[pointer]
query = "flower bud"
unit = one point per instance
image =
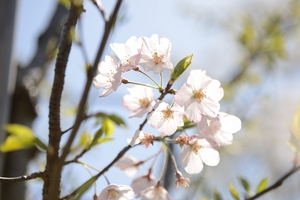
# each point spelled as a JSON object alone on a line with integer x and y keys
{"x": 181, "y": 66}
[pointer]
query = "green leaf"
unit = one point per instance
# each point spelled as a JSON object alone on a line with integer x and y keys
{"x": 40, "y": 144}
{"x": 217, "y": 195}
{"x": 117, "y": 120}
{"x": 247, "y": 36}
{"x": 65, "y": 3}
{"x": 181, "y": 66}
{"x": 262, "y": 185}
{"x": 234, "y": 192}
{"x": 84, "y": 187}
{"x": 108, "y": 126}
{"x": 104, "y": 140}
{"x": 294, "y": 140}
{"x": 296, "y": 124}
{"x": 98, "y": 135}
{"x": 85, "y": 139}
{"x": 20, "y": 137}
{"x": 245, "y": 184}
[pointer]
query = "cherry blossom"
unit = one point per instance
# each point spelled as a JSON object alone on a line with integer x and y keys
{"x": 218, "y": 131}
{"x": 109, "y": 78}
{"x": 128, "y": 164}
{"x": 116, "y": 192}
{"x": 128, "y": 53}
{"x": 155, "y": 54}
{"x": 142, "y": 182}
{"x": 181, "y": 181}
{"x": 166, "y": 118}
{"x": 140, "y": 100}
{"x": 141, "y": 137}
{"x": 197, "y": 152}
{"x": 154, "y": 193}
{"x": 200, "y": 95}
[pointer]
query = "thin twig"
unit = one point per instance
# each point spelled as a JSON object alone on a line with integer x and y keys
{"x": 91, "y": 72}
{"x": 276, "y": 184}
{"x": 21, "y": 178}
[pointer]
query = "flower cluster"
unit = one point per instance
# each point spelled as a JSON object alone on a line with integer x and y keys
{"x": 196, "y": 102}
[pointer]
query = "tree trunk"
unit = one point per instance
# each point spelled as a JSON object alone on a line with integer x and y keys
{"x": 22, "y": 104}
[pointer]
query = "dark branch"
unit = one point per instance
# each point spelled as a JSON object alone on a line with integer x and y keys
{"x": 91, "y": 72}
{"x": 21, "y": 178}
{"x": 51, "y": 188}
{"x": 276, "y": 184}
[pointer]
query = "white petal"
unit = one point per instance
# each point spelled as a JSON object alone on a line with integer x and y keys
{"x": 214, "y": 90}
{"x": 192, "y": 111}
{"x": 183, "y": 95}
{"x": 141, "y": 183}
{"x": 230, "y": 123}
{"x": 168, "y": 128}
{"x": 209, "y": 156}
{"x": 191, "y": 162}
{"x": 122, "y": 192}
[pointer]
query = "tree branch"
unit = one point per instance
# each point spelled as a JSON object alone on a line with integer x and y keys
{"x": 51, "y": 189}
{"x": 91, "y": 72}
{"x": 276, "y": 184}
{"x": 21, "y": 178}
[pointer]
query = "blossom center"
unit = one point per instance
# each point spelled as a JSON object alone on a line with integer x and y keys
{"x": 144, "y": 103}
{"x": 199, "y": 95}
{"x": 113, "y": 194}
{"x": 168, "y": 113}
{"x": 195, "y": 147}
{"x": 213, "y": 126}
{"x": 157, "y": 59}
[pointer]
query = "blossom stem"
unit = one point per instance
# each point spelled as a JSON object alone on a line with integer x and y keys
{"x": 142, "y": 84}
{"x": 108, "y": 183}
{"x": 153, "y": 156}
{"x": 161, "y": 78}
{"x": 164, "y": 165}
{"x": 158, "y": 86}
{"x": 173, "y": 159}
{"x": 86, "y": 166}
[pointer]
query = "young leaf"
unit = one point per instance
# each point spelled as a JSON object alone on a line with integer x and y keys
{"x": 85, "y": 139}
{"x": 296, "y": 125}
{"x": 20, "y": 137}
{"x": 217, "y": 195}
{"x": 262, "y": 185}
{"x": 234, "y": 192}
{"x": 245, "y": 184}
{"x": 98, "y": 135}
{"x": 104, "y": 140}
{"x": 294, "y": 140}
{"x": 40, "y": 144}
{"x": 84, "y": 187}
{"x": 181, "y": 66}
{"x": 117, "y": 120}
{"x": 108, "y": 126}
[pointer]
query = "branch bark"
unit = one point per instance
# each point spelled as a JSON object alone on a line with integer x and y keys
{"x": 21, "y": 178}
{"x": 276, "y": 184}
{"x": 51, "y": 189}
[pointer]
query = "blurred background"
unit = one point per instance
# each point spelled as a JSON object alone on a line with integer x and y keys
{"x": 252, "y": 47}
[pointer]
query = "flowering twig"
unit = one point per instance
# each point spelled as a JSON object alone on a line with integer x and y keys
{"x": 276, "y": 184}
